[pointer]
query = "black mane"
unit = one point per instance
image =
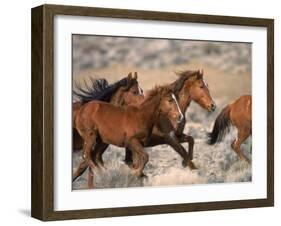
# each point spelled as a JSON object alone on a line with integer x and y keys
{"x": 100, "y": 90}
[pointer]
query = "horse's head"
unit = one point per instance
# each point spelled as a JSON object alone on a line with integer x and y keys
{"x": 169, "y": 105}
{"x": 197, "y": 89}
{"x": 132, "y": 93}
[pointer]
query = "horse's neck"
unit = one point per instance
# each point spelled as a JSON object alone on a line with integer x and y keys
{"x": 184, "y": 99}
{"x": 149, "y": 108}
{"x": 117, "y": 98}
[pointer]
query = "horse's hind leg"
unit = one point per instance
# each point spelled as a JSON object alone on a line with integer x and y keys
{"x": 90, "y": 178}
{"x": 77, "y": 141}
{"x": 243, "y": 134}
{"x": 89, "y": 142}
{"x": 95, "y": 153}
{"x": 83, "y": 165}
{"x": 80, "y": 170}
{"x": 98, "y": 152}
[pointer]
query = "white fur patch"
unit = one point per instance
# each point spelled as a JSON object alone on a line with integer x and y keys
{"x": 205, "y": 83}
{"x": 181, "y": 114}
{"x": 140, "y": 90}
{"x": 172, "y": 134}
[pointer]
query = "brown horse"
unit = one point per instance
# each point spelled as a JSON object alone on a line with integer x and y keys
{"x": 238, "y": 114}
{"x": 190, "y": 86}
{"x": 123, "y": 92}
{"x": 100, "y": 124}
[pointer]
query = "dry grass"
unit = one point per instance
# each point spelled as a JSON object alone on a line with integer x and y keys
{"x": 226, "y": 70}
{"x": 216, "y": 164}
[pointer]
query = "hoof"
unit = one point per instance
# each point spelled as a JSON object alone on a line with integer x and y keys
{"x": 190, "y": 164}
{"x": 128, "y": 163}
{"x": 139, "y": 174}
{"x": 131, "y": 166}
{"x": 247, "y": 160}
{"x": 127, "y": 160}
{"x": 101, "y": 167}
{"x": 184, "y": 164}
{"x": 142, "y": 175}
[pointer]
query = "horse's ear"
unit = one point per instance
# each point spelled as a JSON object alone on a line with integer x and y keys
{"x": 178, "y": 73}
{"x": 130, "y": 75}
{"x": 202, "y": 72}
{"x": 136, "y": 75}
{"x": 199, "y": 74}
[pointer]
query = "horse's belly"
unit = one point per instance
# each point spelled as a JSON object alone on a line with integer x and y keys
{"x": 113, "y": 137}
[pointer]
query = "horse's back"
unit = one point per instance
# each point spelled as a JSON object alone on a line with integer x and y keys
{"x": 241, "y": 111}
{"x": 112, "y": 122}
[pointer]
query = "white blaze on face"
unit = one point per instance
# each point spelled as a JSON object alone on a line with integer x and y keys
{"x": 140, "y": 91}
{"x": 181, "y": 114}
{"x": 205, "y": 83}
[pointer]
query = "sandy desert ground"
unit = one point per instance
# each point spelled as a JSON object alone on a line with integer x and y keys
{"x": 227, "y": 70}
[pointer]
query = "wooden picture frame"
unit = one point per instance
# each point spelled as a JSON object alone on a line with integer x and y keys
{"x": 42, "y": 203}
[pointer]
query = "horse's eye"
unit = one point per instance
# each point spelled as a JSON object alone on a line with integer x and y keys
{"x": 171, "y": 100}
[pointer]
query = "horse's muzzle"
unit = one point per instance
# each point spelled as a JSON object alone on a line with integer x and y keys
{"x": 180, "y": 119}
{"x": 213, "y": 107}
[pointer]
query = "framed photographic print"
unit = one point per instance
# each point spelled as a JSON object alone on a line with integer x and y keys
{"x": 141, "y": 112}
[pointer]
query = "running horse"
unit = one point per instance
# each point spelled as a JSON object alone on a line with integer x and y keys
{"x": 126, "y": 91}
{"x": 101, "y": 124}
{"x": 239, "y": 115}
{"x": 190, "y": 86}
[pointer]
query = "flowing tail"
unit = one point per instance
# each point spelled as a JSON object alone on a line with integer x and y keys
{"x": 221, "y": 126}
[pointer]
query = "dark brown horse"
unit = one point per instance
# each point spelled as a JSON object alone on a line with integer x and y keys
{"x": 190, "y": 86}
{"x": 123, "y": 92}
{"x": 238, "y": 114}
{"x": 100, "y": 124}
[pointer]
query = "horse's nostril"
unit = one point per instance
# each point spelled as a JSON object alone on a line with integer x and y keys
{"x": 213, "y": 107}
{"x": 180, "y": 118}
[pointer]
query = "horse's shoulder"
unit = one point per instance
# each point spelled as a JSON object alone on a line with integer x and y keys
{"x": 132, "y": 108}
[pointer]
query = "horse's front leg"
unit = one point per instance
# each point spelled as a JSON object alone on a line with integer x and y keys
{"x": 128, "y": 157}
{"x": 153, "y": 141}
{"x": 190, "y": 140}
{"x": 173, "y": 141}
{"x": 140, "y": 157}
